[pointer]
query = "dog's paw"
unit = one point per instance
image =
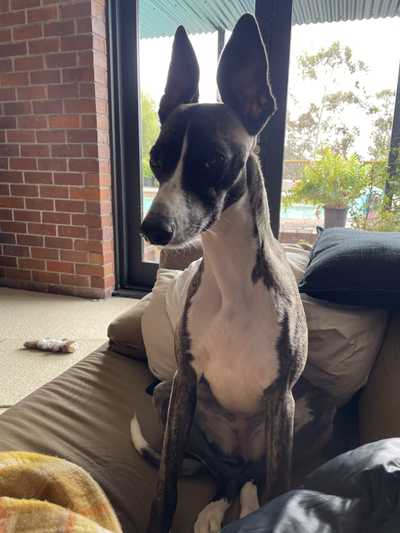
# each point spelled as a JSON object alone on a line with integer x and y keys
{"x": 211, "y": 517}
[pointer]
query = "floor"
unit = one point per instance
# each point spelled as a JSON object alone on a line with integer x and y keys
{"x": 26, "y": 315}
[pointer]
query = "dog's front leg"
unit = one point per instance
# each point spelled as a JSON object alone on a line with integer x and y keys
{"x": 279, "y": 425}
{"x": 179, "y": 420}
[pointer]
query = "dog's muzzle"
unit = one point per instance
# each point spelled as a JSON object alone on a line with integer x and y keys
{"x": 157, "y": 230}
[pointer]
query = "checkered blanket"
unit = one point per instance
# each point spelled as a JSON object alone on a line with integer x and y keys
{"x": 40, "y": 493}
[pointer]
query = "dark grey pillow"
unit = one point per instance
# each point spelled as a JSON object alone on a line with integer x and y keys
{"x": 355, "y": 268}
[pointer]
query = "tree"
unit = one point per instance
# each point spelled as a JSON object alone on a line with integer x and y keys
{"x": 149, "y": 134}
{"x": 321, "y": 124}
{"x": 381, "y": 108}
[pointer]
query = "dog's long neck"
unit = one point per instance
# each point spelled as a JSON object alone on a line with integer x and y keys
{"x": 231, "y": 245}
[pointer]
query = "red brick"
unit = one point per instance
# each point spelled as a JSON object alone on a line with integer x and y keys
{"x": 45, "y": 76}
{"x": 87, "y": 90}
{"x": 66, "y": 150}
{"x": 67, "y": 178}
{"x": 7, "y": 238}
{"x": 84, "y": 105}
{"x": 24, "y": 136}
{"x": 80, "y": 193}
{"x": 64, "y": 122}
{"x": 60, "y": 266}
{"x": 73, "y": 256}
{"x": 82, "y": 136}
{"x": 4, "y": 189}
{"x": 66, "y": 59}
{"x": 32, "y": 122}
{"x": 51, "y": 136}
{"x": 90, "y": 270}
{"x": 30, "y": 240}
{"x": 31, "y": 264}
{"x": 93, "y": 151}
{"x": 40, "y": 203}
{"x": 23, "y": 163}
{"x": 57, "y": 242}
{"x": 83, "y": 165}
{"x": 88, "y": 246}
{"x": 17, "y": 108}
{"x": 17, "y": 251}
{"x": 8, "y": 123}
{"x": 56, "y": 218}
{"x": 10, "y": 176}
{"x": 70, "y": 90}
{"x": 5, "y": 36}
{"x": 34, "y": 150}
{"x": 96, "y": 259}
{"x": 45, "y": 253}
{"x": 70, "y": 206}
{"x": 24, "y": 4}
{"x": 31, "y": 93}
{"x": 42, "y": 14}
{"x": 78, "y": 74}
{"x": 86, "y": 220}
{"x": 6, "y": 65}
{"x": 48, "y": 107}
{"x": 52, "y": 164}
{"x": 24, "y": 190}
{"x": 8, "y": 261}
{"x": 54, "y": 191}
{"x": 78, "y": 281}
{"x": 29, "y": 63}
{"x": 10, "y": 202}
{"x": 18, "y": 274}
{"x": 46, "y": 277}
{"x": 12, "y": 49}
{"x": 28, "y": 31}
{"x": 12, "y": 19}
{"x": 5, "y": 214}
{"x": 84, "y": 25}
{"x": 9, "y": 149}
{"x": 43, "y": 46}
{"x": 83, "y": 9}
{"x": 26, "y": 216}
{"x": 7, "y": 95}
{"x": 72, "y": 231}
{"x": 103, "y": 283}
{"x": 38, "y": 177}
{"x": 59, "y": 28}
{"x": 42, "y": 229}
{"x": 14, "y": 79}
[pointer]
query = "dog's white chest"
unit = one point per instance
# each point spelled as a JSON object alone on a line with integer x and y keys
{"x": 234, "y": 345}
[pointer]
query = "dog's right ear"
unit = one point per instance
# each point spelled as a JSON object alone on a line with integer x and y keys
{"x": 183, "y": 76}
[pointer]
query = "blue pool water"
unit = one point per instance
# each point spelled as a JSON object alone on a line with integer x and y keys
{"x": 301, "y": 212}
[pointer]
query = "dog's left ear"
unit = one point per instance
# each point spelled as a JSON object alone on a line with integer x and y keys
{"x": 243, "y": 78}
{"x": 183, "y": 76}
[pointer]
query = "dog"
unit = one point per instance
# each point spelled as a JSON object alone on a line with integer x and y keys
{"x": 241, "y": 345}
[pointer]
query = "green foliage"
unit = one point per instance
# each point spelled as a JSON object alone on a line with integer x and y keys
{"x": 331, "y": 180}
{"x": 149, "y": 134}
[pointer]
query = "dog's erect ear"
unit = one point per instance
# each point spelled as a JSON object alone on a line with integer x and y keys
{"x": 243, "y": 78}
{"x": 183, "y": 76}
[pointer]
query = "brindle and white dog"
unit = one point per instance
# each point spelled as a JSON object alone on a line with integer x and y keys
{"x": 242, "y": 341}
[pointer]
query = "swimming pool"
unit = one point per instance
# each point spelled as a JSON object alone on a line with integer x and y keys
{"x": 294, "y": 212}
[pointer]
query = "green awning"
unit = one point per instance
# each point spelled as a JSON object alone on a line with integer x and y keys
{"x": 159, "y": 18}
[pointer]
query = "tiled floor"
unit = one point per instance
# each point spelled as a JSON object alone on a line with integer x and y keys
{"x": 26, "y": 315}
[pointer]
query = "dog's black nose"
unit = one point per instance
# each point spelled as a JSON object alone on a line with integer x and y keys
{"x": 157, "y": 231}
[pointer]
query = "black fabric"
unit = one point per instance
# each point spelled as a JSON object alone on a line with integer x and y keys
{"x": 357, "y": 492}
{"x": 355, "y": 268}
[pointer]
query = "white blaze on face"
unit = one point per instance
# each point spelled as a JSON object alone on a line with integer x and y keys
{"x": 170, "y": 200}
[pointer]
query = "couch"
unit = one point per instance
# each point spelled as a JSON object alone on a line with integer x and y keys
{"x": 84, "y": 416}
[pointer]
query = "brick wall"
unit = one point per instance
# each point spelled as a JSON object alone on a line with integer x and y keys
{"x": 55, "y": 185}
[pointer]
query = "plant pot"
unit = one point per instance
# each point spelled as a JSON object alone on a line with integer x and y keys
{"x": 335, "y": 217}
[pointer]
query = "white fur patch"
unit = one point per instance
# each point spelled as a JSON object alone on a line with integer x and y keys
{"x": 302, "y": 415}
{"x": 248, "y": 499}
{"x": 138, "y": 440}
{"x": 211, "y": 517}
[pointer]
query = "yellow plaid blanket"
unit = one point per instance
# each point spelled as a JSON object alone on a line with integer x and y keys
{"x": 42, "y": 494}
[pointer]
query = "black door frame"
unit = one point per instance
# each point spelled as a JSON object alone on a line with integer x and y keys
{"x": 133, "y": 275}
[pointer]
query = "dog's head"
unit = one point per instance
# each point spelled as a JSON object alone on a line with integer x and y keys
{"x": 202, "y": 148}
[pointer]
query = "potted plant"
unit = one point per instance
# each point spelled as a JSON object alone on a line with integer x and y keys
{"x": 333, "y": 182}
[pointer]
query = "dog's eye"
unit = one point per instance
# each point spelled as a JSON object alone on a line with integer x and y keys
{"x": 217, "y": 161}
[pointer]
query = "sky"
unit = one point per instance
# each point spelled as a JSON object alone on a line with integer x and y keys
{"x": 374, "y": 41}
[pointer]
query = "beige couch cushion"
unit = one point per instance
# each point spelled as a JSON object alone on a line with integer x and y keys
{"x": 379, "y": 406}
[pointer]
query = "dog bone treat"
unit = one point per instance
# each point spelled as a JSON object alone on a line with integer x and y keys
{"x": 52, "y": 345}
